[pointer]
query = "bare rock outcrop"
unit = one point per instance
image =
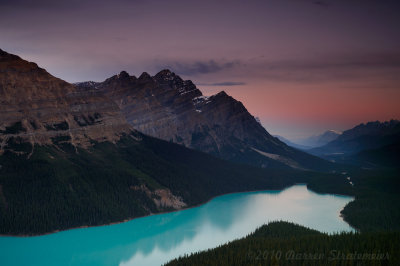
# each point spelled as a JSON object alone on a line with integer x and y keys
{"x": 37, "y": 108}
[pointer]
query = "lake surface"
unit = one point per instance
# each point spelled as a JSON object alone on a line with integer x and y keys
{"x": 156, "y": 239}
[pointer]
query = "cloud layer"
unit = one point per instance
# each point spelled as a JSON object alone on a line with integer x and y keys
{"x": 200, "y": 67}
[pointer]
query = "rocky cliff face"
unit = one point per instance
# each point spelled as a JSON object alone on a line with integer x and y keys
{"x": 37, "y": 108}
{"x": 167, "y": 107}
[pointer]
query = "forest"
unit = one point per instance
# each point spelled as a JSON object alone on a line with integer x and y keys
{"x": 61, "y": 186}
{"x": 284, "y": 243}
{"x": 375, "y": 214}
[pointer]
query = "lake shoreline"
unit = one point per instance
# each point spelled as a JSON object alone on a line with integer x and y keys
{"x": 164, "y": 212}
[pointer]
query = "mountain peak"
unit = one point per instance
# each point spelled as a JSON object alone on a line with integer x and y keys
{"x": 13, "y": 62}
{"x": 165, "y": 72}
{"x": 331, "y": 132}
{"x": 123, "y": 74}
{"x": 222, "y": 94}
{"x": 334, "y": 131}
{"x": 168, "y": 76}
{"x": 144, "y": 76}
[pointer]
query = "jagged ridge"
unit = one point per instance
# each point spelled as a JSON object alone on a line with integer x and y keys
{"x": 167, "y": 107}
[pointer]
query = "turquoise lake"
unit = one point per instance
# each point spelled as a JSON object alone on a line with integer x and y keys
{"x": 154, "y": 240}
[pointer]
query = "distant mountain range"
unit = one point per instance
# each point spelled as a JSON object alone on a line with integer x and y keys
{"x": 362, "y": 137}
{"x": 370, "y": 145}
{"x": 373, "y": 142}
{"x": 292, "y": 144}
{"x": 315, "y": 140}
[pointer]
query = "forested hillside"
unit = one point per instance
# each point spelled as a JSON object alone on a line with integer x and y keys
{"x": 377, "y": 200}
{"x": 61, "y": 186}
{"x": 283, "y": 243}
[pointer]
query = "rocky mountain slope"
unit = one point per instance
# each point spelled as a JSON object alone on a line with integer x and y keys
{"x": 170, "y": 108}
{"x": 37, "y": 108}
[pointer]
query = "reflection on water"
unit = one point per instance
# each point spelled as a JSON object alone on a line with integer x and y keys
{"x": 157, "y": 239}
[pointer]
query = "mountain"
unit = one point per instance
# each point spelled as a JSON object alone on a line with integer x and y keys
{"x": 319, "y": 140}
{"x": 60, "y": 187}
{"x": 37, "y": 109}
{"x": 167, "y": 107}
{"x": 371, "y": 135}
{"x": 69, "y": 158}
{"x": 292, "y": 144}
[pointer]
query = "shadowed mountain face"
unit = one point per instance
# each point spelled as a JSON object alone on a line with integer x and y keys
{"x": 37, "y": 108}
{"x": 166, "y": 107}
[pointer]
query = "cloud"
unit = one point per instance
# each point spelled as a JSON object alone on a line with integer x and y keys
{"x": 225, "y": 83}
{"x": 332, "y": 67}
{"x": 199, "y": 67}
{"x": 365, "y": 67}
{"x": 354, "y": 61}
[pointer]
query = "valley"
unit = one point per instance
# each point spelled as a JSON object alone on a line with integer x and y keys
{"x": 99, "y": 153}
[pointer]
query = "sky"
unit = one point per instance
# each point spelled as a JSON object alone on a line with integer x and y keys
{"x": 301, "y": 66}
